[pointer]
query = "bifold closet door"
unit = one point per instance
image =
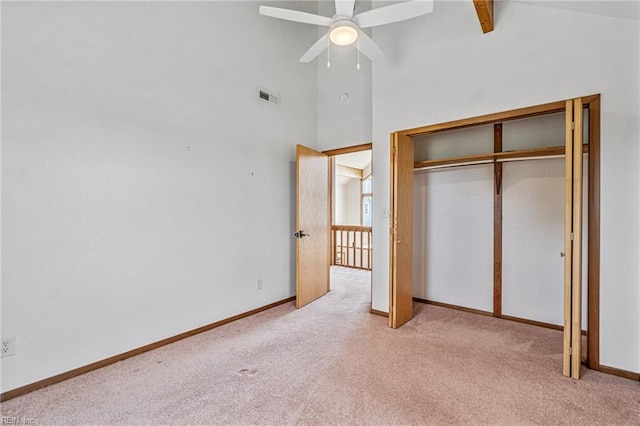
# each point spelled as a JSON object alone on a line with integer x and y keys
{"x": 533, "y": 240}
{"x": 401, "y": 232}
{"x": 572, "y": 341}
{"x": 453, "y": 239}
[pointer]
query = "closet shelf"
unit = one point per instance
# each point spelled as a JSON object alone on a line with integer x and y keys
{"x": 520, "y": 154}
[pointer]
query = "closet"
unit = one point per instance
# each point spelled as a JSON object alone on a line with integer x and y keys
{"x": 496, "y": 209}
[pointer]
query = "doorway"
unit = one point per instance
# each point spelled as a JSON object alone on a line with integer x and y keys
{"x": 351, "y": 177}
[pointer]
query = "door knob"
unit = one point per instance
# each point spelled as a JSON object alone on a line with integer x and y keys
{"x": 301, "y": 234}
{"x": 561, "y": 254}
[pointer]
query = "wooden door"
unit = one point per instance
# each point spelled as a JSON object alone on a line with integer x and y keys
{"x": 401, "y": 231}
{"x": 572, "y": 344}
{"x": 312, "y": 225}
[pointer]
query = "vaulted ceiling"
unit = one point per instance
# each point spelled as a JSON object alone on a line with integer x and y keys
{"x": 484, "y": 9}
{"x": 614, "y": 9}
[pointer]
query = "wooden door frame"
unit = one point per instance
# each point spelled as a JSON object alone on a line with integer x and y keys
{"x": 332, "y": 153}
{"x": 592, "y": 102}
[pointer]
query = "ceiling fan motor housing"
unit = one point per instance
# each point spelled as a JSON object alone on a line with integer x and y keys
{"x": 343, "y": 32}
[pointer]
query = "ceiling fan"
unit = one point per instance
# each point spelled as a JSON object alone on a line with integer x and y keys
{"x": 346, "y": 29}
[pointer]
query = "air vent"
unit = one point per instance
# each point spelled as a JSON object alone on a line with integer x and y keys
{"x": 272, "y": 98}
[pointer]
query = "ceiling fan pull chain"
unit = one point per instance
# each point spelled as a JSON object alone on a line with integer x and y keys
{"x": 358, "y": 66}
{"x": 328, "y": 53}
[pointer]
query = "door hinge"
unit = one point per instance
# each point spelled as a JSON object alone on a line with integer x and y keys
{"x": 572, "y": 236}
{"x": 573, "y": 125}
{"x": 571, "y": 351}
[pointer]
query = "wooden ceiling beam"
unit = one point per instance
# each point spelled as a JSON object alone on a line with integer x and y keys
{"x": 350, "y": 172}
{"x": 484, "y": 9}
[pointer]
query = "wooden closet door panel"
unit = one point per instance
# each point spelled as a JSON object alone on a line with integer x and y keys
{"x": 401, "y": 235}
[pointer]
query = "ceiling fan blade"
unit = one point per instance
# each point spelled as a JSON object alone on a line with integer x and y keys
{"x": 316, "y": 49}
{"x": 295, "y": 16}
{"x": 394, "y": 13}
{"x": 368, "y": 47}
{"x": 345, "y": 8}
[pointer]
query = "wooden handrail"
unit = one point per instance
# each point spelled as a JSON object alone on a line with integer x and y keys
{"x": 351, "y": 246}
{"x": 350, "y": 228}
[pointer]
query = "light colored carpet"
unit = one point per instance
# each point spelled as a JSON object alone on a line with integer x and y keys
{"x": 333, "y": 362}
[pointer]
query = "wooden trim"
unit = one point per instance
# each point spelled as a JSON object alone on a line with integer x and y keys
{"x": 347, "y": 171}
{"x": 470, "y": 159}
{"x": 489, "y": 314}
{"x": 349, "y": 149}
{"x": 593, "y": 269}
{"x": 619, "y": 372}
{"x": 533, "y": 322}
{"x": 547, "y": 152}
{"x": 487, "y": 119}
{"x": 497, "y": 223}
{"x": 587, "y": 101}
{"x": 484, "y": 9}
{"x": 552, "y": 152}
{"x": 454, "y": 307}
{"x": 379, "y": 313}
{"x": 129, "y": 354}
{"x": 351, "y": 228}
{"x": 534, "y": 152}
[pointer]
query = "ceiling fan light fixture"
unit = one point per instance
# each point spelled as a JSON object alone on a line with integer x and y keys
{"x": 343, "y": 34}
{"x": 345, "y": 26}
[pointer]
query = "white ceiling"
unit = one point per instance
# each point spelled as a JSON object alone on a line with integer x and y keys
{"x": 358, "y": 160}
{"x": 625, "y": 9}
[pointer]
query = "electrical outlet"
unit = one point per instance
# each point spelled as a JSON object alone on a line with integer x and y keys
{"x": 8, "y": 346}
{"x": 259, "y": 284}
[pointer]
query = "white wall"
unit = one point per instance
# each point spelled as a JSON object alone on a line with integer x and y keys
{"x": 347, "y": 202}
{"x": 137, "y": 163}
{"x": 352, "y": 189}
{"x": 342, "y": 124}
{"x": 453, "y": 236}
{"x": 338, "y": 203}
{"x": 533, "y": 237}
{"x": 441, "y": 67}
